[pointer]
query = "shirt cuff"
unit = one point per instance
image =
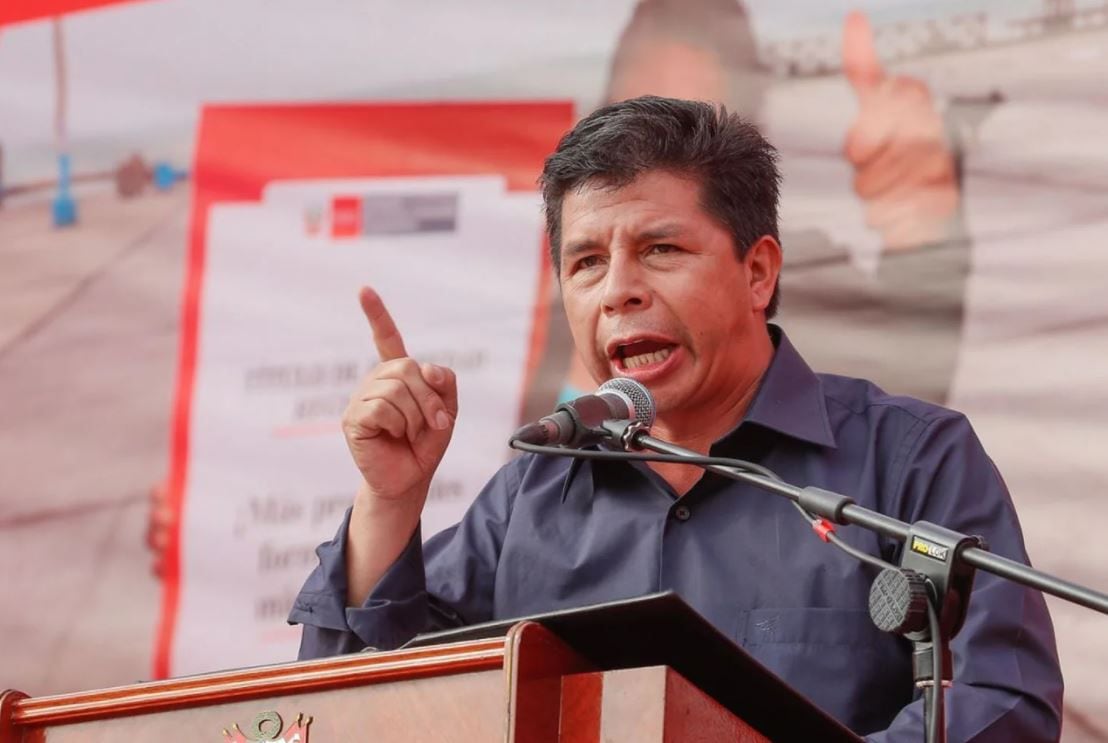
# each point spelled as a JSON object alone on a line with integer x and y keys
{"x": 393, "y": 613}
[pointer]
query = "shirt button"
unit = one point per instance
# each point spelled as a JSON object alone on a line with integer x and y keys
{"x": 682, "y": 513}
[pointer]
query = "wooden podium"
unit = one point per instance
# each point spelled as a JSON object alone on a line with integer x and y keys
{"x": 536, "y": 683}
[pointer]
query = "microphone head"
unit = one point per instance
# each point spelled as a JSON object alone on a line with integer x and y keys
{"x": 639, "y": 399}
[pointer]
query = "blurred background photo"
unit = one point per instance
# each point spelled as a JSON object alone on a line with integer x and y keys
{"x": 191, "y": 193}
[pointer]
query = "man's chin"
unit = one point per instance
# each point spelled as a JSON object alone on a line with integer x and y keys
{"x": 667, "y": 399}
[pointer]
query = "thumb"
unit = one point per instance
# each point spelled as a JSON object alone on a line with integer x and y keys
{"x": 860, "y": 61}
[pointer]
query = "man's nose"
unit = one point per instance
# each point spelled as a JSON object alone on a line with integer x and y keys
{"x": 625, "y": 285}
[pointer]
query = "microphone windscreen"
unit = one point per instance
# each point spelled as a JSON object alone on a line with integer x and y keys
{"x": 642, "y": 402}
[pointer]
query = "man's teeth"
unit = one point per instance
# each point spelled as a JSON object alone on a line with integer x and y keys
{"x": 643, "y": 359}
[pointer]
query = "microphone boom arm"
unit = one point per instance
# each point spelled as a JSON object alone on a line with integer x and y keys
{"x": 842, "y": 510}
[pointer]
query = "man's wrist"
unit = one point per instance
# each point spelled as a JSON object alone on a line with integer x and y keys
{"x": 369, "y": 506}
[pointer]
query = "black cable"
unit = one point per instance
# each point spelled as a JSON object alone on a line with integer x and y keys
{"x": 624, "y": 456}
{"x": 822, "y": 527}
{"x": 935, "y": 713}
{"x": 704, "y": 462}
{"x": 855, "y": 515}
{"x": 834, "y": 539}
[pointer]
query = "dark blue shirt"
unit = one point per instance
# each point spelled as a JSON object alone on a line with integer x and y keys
{"x": 550, "y": 533}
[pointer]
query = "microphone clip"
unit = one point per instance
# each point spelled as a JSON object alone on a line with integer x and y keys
{"x": 625, "y": 433}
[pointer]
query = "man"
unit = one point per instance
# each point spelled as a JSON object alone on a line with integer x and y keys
{"x": 662, "y": 216}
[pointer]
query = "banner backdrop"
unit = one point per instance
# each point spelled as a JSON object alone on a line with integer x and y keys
{"x": 259, "y": 463}
{"x": 297, "y": 152}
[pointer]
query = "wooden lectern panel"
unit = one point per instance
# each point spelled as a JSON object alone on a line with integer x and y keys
{"x": 429, "y": 693}
{"x": 502, "y": 690}
{"x": 7, "y": 707}
{"x": 467, "y": 707}
{"x": 645, "y": 705}
{"x": 537, "y": 663}
{"x": 525, "y": 687}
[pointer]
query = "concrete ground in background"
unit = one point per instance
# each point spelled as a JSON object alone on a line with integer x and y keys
{"x": 88, "y": 348}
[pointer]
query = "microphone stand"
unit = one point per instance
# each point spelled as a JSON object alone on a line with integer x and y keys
{"x": 842, "y": 510}
{"x": 925, "y": 599}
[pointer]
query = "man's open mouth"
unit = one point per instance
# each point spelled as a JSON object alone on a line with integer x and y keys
{"x": 643, "y": 353}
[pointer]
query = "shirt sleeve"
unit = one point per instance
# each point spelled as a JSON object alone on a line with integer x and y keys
{"x": 1007, "y": 680}
{"x": 446, "y": 582}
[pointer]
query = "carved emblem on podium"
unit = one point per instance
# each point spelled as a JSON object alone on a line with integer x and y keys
{"x": 266, "y": 728}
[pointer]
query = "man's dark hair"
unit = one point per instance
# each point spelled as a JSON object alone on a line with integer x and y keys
{"x": 735, "y": 166}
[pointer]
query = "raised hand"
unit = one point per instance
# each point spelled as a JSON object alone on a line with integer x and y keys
{"x": 904, "y": 168}
{"x": 400, "y": 419}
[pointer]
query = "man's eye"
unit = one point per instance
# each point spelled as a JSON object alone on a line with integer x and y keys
{"x": 587, "y": 262}
{"x": 663, "y": 248}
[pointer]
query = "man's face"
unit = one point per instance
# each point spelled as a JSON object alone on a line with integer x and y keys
{"x": 654, "y": 290}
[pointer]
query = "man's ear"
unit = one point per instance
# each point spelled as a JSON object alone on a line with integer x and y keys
{"x": 763, "y": 267}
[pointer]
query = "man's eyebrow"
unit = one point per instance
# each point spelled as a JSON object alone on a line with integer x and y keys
{"x": 661, "y": 232}
{"x": 579, "y": 246}
{"x": 664, "y": 231}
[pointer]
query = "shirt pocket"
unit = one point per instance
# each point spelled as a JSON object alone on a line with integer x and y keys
{"x": 809, "y": 626}
{"x": 837, "y": 658}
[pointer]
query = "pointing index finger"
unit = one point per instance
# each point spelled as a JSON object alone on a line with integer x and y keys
{"x": 860, "y": 61}
{"x": 390, "y": 344}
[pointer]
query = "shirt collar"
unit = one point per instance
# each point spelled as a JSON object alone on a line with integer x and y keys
{"x": 789, "y": 401}
{"x": 790, "y": 397}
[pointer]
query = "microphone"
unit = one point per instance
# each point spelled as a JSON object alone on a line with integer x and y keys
{"x": 577, "y": 423}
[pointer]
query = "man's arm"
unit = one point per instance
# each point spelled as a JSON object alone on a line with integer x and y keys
{"x": 449, "y": 581}
{"x": 394, "y": 608}
{"x": 397, "y": 425}
{"x": 1007, "y": 681}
